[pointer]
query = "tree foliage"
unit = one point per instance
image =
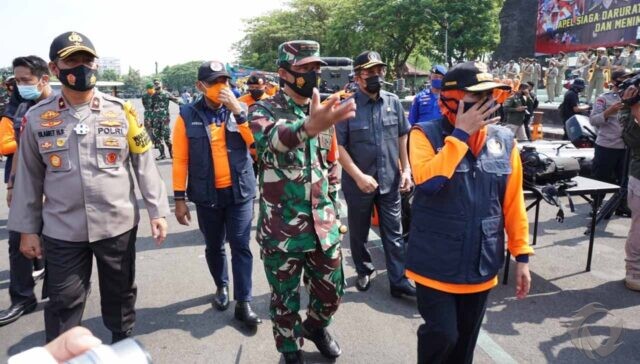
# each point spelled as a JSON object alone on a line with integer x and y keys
{"x": 398, "y": 29}
{"x": 133, "y": 83}
{"x": 109, "y": 75}
{"x": 181, "y": 75}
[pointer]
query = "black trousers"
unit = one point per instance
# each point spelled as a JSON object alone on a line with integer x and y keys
{"x": 20, "y": 272}
{"x": 608, "y": 164}
{"x": 452, "y": 324}
{"x": 68, "y": 266}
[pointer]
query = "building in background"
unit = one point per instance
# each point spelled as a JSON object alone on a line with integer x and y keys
{"x": 109, "y": 63}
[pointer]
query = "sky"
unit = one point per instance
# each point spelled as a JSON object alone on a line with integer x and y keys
{"x": 138, "y": 32}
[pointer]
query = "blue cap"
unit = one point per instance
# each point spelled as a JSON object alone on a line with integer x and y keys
{"x": 439, "y": 69}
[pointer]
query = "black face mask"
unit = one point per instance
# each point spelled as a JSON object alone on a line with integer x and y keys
{"x": 307, "y": 81}
{"x": 374, "y": 84}
{"x": 79, "y": 78}
{"x": 256, "y": 94}
{"x": 469, "y": 105}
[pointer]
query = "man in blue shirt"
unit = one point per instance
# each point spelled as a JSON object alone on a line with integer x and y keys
{"x": 425, "y": 104}
{"x": 373, "y": 154}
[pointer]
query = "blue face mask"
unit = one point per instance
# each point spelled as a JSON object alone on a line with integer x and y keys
{"x": 437, "y": 84}
{"x": 29, "y": 92}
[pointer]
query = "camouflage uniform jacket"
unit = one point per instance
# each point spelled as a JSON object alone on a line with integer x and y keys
{"x": 147, "y": 104}
{"x": 298, "y": 179}
{"x": 160, "y": 106}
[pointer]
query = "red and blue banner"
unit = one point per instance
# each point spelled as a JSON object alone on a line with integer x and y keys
{"x": 574, "y": 25}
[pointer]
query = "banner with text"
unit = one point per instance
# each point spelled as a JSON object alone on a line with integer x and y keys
{"x": 574, "y": 25}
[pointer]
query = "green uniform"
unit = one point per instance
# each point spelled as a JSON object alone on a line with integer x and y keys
{"x": 297, "y": 220}
{"x": 156, "y": 116}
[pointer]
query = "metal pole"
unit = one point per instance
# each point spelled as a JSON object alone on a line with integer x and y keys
{"x": 446, "y": 39}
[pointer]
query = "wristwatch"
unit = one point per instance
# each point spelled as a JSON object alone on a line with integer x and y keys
{"x": 241, "y": 117}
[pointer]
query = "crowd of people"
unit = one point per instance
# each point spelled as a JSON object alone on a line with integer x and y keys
{"x": 284, "y": 148}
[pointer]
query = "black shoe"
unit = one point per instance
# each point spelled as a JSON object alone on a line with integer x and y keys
{"x": 404, "y": 289}
{"x": 623, "y": 211}
{"x": 293, "y": 357}
{"x": 327, "y": 346}
{"x": 170, "y": 148}
{"x": 245, "y": 314}
{"x": 363, "y": 282}
{"x": 221, "y": 299}
{"x": 15, "y": 311}
{"x": 161, "y": 157}
{"x": 119, "y": 336}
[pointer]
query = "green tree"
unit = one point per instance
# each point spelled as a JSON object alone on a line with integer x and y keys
{"x": 133, "y": 83}
{"x": 181, "y": 75}
{"x": 109, "y": 75}
{"x": 303, "y": 19}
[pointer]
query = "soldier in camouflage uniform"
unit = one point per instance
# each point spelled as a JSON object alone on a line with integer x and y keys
{"x": 147, "y": 105}
{"x": 298, "y": 227}
{"x": 160, "y": 118}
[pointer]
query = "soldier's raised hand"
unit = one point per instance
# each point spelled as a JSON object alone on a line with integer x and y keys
{"x": 324, "y": 115}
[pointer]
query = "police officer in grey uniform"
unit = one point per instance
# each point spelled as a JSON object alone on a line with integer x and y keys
{"x": 81, "y": 150}
{"x": 609, "y": 151}
{"x": 371, "y": 147}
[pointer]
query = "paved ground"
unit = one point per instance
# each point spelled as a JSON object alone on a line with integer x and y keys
{"x": 176, "y": 322}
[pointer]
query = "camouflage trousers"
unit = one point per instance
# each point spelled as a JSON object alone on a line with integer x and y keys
{"x": 160, "y": 131}
{"x": 324, "y": 279}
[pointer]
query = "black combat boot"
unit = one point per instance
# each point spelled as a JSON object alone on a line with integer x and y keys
{"x": 293, "y": 357}
{"x": 170, "y": 147}
{"x": 327, "y": 346}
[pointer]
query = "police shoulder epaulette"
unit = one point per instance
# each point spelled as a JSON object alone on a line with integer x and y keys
{"x": 114, "y": 99}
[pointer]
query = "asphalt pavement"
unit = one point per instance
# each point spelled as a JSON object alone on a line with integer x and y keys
{"x": 569, "y": 316}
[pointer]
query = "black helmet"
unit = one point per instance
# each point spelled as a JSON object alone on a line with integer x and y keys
{"x": 578, "y": 84}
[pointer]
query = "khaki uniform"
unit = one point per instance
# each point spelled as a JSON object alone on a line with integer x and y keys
{"x": 562, "y": 68}
{"x": 597, "y": 79}
{"x": 552, "y": 75}
{"x": 83, "y": 160}
{"x": 87, "y": 179}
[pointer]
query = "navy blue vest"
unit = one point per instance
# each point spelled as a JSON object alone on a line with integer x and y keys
{"x": 457, "y": 233}
{"x": 201, "y": 187}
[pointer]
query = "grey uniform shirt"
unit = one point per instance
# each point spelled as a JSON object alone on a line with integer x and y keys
{"x": 609, "y": 134}
{"x": 86, "y": 179}
{"x": 371, "y": 139}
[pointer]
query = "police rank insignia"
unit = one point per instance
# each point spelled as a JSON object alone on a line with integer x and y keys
{"x": 55, "y": 160}
{"x": 81, "y": 129}
{"x": 60, "y": 142}
{"x": 111, "y": 142}
{"x": 46, "y": 145}
{"x": 49, "y": 115}
{"x": 50, "y": 124}
{"x": 110, "y": 123}
{"x": 110, "y": 114}
{"x": 495, "y": 147}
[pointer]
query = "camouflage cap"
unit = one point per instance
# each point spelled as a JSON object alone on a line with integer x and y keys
{"x": 299, "y": 52}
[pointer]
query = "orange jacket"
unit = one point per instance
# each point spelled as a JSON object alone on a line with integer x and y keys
{"x": 219, "y": 156}
{"x": 8, "y": 144}
{"x": 426, "y": 164}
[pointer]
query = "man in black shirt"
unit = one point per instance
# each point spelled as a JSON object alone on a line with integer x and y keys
{"x": 570, "y": 104}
